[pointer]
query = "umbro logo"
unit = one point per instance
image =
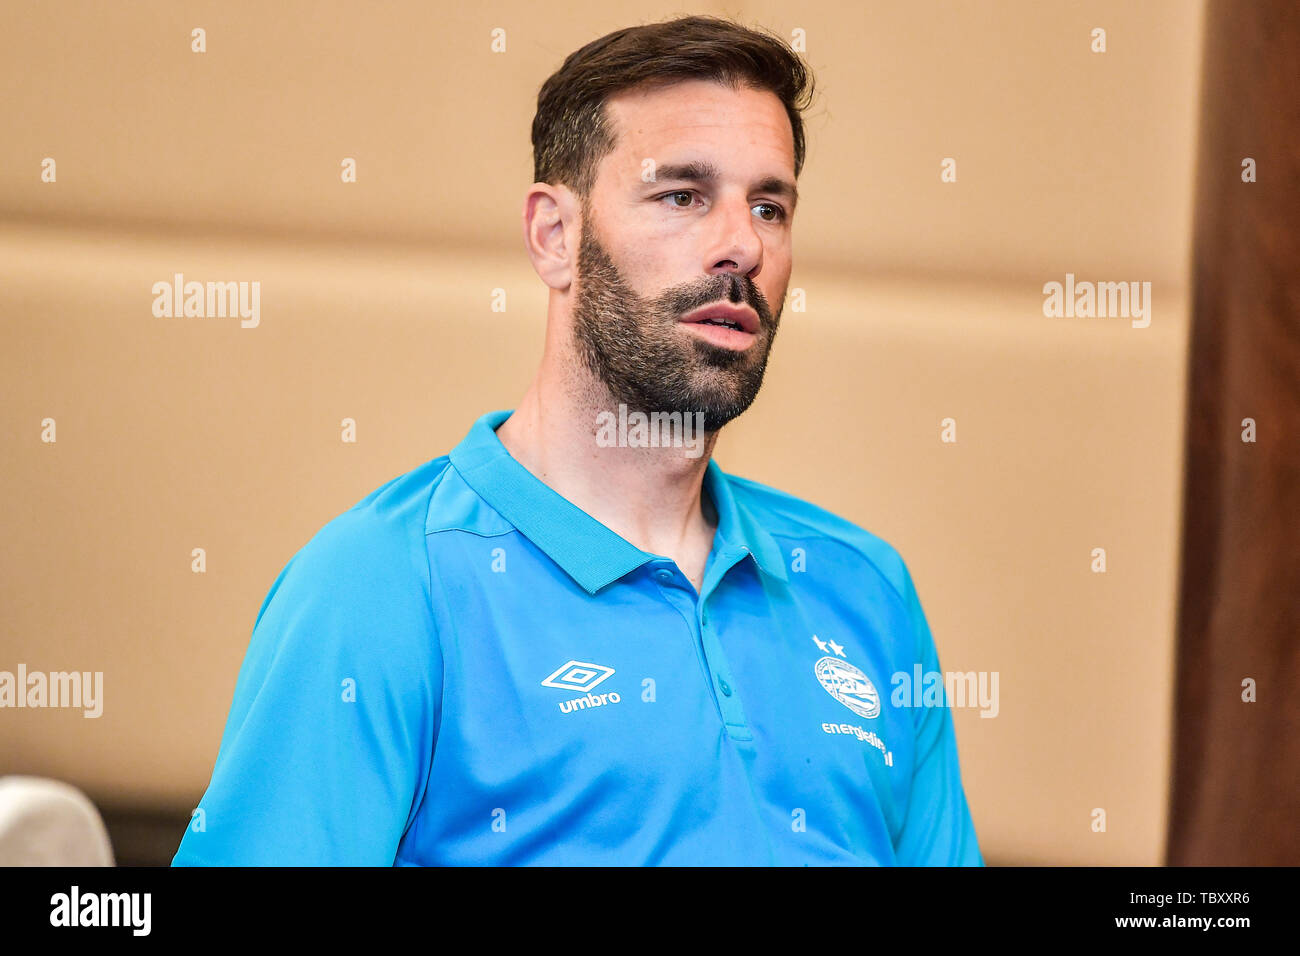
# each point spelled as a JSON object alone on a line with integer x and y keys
{"x": 582, "y": 676}
{"x": 578, "y": 675}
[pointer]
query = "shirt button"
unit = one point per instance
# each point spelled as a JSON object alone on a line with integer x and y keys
{"x": 664, "y": 575}
{"x": 726, "y": 688}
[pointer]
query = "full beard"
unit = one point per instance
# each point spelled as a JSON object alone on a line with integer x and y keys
{"x": 633, "y": 346}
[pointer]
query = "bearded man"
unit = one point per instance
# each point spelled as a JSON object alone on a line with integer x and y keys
{"x": 547, "y": 647}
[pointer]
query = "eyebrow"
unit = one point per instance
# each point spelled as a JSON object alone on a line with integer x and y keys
{"x": 702, "y": 171}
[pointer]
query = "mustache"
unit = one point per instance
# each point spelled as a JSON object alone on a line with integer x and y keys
{"x": 717, "y": 289}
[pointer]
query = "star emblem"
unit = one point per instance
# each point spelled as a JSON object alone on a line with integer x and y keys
{"x": 820, "y": 644}
{"x": 837, "y": 648}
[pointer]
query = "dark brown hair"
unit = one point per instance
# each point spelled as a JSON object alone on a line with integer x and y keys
{"x": 571, "y": 133}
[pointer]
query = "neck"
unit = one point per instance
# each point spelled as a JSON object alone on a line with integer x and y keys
{"x": 652, "y": 497}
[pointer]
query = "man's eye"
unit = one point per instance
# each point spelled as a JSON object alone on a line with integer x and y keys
{"x": 776, "y": 214}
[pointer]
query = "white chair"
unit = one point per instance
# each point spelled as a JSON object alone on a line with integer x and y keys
{"x": 48, "y": 823}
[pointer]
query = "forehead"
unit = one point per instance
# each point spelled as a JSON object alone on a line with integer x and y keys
{"x": 650, "y": 120}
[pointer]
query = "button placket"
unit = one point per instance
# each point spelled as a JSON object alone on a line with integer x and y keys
{"x": 733, "y": 713}
{"x": 678, "y": 595}
{"x": 712, "y": 659}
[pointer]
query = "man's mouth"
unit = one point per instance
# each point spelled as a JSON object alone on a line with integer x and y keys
{"x": 725, "y": 314}
{"x": 730, "y": 326}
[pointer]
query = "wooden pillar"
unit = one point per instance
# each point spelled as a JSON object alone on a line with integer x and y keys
{"x": 1236, "y": 782}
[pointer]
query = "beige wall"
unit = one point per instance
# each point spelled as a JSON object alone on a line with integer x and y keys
{"x": 924, "y": 302}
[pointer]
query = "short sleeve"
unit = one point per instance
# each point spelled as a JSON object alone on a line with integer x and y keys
{"x": 327, "y": 747}
{"x": 938, "y": 830}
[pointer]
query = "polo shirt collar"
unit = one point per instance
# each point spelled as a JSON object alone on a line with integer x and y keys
{"x": 739, "y": 532}
{"x": 589, "y": 552}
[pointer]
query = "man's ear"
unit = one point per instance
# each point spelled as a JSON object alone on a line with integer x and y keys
{"x": 551, "y": 223}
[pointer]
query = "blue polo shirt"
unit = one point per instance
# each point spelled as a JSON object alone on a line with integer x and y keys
{"x": 465, "y": 668}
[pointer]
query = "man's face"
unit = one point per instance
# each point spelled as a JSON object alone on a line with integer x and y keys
{"x": 715, "y": 234}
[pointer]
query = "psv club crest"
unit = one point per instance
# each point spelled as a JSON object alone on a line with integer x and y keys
{"x": 848, "y": 684}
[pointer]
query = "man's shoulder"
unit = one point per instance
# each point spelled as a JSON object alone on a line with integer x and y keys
{"x": 393, "y": 513}
{"x": 787, "y": 516}
{"x": 374, "y": 548}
